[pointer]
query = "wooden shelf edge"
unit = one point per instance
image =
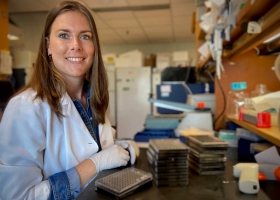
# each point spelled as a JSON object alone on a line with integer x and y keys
{"x": 246, "y": 41}
{"x": 208, "y": 58}
{"x": 199, "y": 33}
{"x": 270, "y": 134}
{"x": 249, "y": 12}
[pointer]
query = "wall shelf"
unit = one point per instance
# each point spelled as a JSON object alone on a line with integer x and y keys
{"x": 202, "y": 63}
{"x": 249, "y": 12}
{"x": 199, "y": 33}
{"x": 270, "y": 134}
{"x": 269, "y": 24}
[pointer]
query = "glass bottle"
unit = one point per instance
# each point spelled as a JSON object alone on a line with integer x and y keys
{"x": 236, "y": 98}
{"x": 259, "y": 90}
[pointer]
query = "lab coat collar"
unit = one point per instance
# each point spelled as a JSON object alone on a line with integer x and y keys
{"x": 69, "y": 110}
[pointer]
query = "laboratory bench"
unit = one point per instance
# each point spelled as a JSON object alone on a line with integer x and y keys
{"x": 200, "y": 187}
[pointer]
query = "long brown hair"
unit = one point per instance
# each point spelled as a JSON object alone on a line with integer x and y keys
{"x": 49, "y": 83}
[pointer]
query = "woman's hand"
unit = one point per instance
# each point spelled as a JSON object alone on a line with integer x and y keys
{"x": 111, "y": 157}
{"x": 131, "y": 146}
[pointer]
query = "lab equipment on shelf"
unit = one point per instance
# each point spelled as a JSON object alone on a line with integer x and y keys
{"x": 259, "y": 90}
{"x": 260, "y": 119}
{"x": 236, "y": 98}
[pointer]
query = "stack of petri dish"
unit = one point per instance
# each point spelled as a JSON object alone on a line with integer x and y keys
{"x": 168, "y": 160}
{"x": 207, "y": 154}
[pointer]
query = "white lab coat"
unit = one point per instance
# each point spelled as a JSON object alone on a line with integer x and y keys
{"x": 35, "y": 144}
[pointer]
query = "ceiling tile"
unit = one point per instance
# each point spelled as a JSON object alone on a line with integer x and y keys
{"x": 182, "y": 1}
{"x": 161, "y": 40}
{"x": 122, "y": 23}
{"x": 162, "y": 34}
{"x": 146, "y": 2}
{"x": 26, "y": 6}
{"x": 48, "y": 5}
{"x": 158, "y": 30}
{"x": 182, "y": 9}
{"x": 136, "y": 40}
{"x": 110, "y": 41}
{"x": 106, "y": 31}
{"x": 140, "y": 37}
{"x": 130, "y": 31}
{"x": 185, "y": 29}
{"x": 185, "y": 39}
{"x": 110, "y": 38}
{"x": 100, "y": 23}
{"x": 134, "y": 37}
{"x": 181, "y": 20}
{"x": 126, "y": 26}
{"x": 181, "y": 34}
{"x": 105, "y": 3}
{"x": 152, "y": 13}
{"x": 115, "y": 15}
{"x": 95, "y": 15}
{"x": 156, "y": 22}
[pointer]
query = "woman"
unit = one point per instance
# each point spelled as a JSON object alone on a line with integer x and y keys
{"x": 55, "y": 136}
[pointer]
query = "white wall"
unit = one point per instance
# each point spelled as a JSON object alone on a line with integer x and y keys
{"x": 32, "y": 25}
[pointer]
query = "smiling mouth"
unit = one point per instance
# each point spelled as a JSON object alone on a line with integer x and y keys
{"x": 75, "y": 59}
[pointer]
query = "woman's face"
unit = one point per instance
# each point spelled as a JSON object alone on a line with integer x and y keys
{"x": 70, "y": 44}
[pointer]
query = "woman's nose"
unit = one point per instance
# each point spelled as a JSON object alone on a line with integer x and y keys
{"x": 76, "y": 44}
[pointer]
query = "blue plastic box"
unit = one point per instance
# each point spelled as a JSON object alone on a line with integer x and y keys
{"x": 148, "y": 134}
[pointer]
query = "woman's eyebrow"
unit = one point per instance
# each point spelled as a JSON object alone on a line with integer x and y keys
{"x": 63, "y": 30}
{"x": 67, "y": 30}
{"x": 86, "y": 31}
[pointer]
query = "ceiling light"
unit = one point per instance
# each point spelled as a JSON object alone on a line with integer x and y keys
{"x": 272, "y": 38}
{"x": 12, "y": 37}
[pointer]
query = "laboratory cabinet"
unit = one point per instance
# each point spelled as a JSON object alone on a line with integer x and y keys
{"x": 112, "y": 94}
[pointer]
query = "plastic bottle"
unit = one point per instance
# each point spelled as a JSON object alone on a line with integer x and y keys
{"x": 236, "y": 98}
{"x": 259, "y": 90}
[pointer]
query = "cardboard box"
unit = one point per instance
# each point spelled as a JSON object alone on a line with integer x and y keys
{"x": 163, "y": 60}
{"x": 133, "y": 58}
{"x": 150, "y": 60}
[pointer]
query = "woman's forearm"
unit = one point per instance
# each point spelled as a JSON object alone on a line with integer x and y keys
{"x": 86, "y": 171}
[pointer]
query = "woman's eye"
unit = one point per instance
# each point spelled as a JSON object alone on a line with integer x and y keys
{"x": 63, "y": 36}
{"x": 85, "y": 37}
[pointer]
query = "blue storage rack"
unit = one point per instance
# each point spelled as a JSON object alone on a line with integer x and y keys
{"x": 161, "y": 123}
{"x": 148, "y": 134}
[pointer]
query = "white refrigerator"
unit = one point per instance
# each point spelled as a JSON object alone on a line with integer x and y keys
{"x": 133, "y": 106}
{"x": 112, "y": 93}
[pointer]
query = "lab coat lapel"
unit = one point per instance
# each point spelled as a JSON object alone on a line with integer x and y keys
{"x": 79, "y": 139}
{"x": 106, "y": 134}
{"x": 70, "y": 111}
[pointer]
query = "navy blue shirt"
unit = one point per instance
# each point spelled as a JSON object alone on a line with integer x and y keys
{"x": 87, "y": 116}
